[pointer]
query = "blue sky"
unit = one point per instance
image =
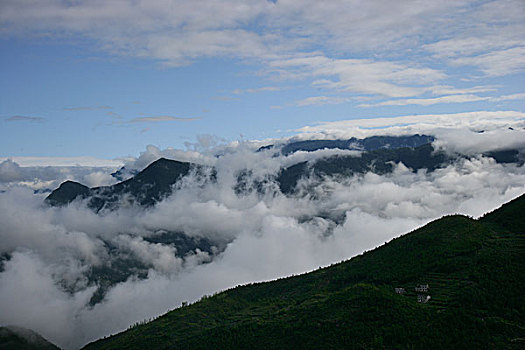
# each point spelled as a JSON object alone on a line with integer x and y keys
{"x": 106, "y": 79}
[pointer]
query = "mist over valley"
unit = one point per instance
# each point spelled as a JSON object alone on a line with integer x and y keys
{"x": 97, "y": 259}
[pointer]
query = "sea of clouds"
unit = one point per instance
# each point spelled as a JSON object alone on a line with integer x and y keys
{"x": 43, "y": 283}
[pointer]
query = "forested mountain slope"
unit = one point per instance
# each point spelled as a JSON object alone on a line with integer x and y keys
{"x": 474, "y": 269}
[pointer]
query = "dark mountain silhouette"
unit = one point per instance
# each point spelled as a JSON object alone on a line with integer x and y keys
{"x": 379, "y": 155}
{"x": 68, "y": 192}
{"x": 146, "y": 188}
{"x": 367, "y": 144}
{"x": 379, "y": 161}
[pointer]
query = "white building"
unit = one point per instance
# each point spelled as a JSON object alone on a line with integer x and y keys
{"x": 422, "y": 298}
{"x": 422, "y": 288}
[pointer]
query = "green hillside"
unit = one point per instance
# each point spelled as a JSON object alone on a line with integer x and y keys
{"x": 474, "y": 268}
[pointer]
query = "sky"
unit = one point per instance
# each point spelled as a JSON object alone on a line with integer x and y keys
{"x": 105, "y": 79}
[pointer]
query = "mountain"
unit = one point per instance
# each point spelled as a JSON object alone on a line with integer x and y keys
{"x": 470, "y": 273}
{"x": 379, "y": 161}
{"x": 507, "y": 156}
{"x": 367, "y": 144}
{"x": 67, "y": 193}
{"x": 124, "y": 174}
{"x": 18, "y": 338}
{"x": 379, "y": 154}
{"x": 119, "y": 267}
{"x": 145, "y": 188}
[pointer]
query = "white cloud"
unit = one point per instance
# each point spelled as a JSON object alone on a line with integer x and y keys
{"x": 470, "y": 142}
{"x": 257, "y": 90}
{"x": 429, "y": 101}
{"x": 520, "y": 96}
{"x": 30, "y": 297}
{"x": 496, "y": 63}
{"x": 450, "y": 90}
{"x": 463, "y": 97}
{"x": 64, "y": 161}
{"x": 365, "y": 47}
{"x": 491, "y": 39}
{"x": 9, "y": 171}
{"x": 159, "y": 256}
{"x": 172, "y": 31}
{"x": 98, "y": 178}
{"x": 160, "y": 118}
{"x": 176, "y": 30}
{"x": 426, "y": 123}
{"x": 350, "y": 26}
{"x": 18, "y": 118}
{"x": 87, "y": 108}
{"x": 364, "y": 76}
{"x": 468, "y": 46}
{"x": 48, "y": 177}
{"x": 321, "y": 100}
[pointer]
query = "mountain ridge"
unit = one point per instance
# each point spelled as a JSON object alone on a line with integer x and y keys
{"x": 146, "y": 187}
{"x": 379, "y": 155}
{"x": 371, "y": 143}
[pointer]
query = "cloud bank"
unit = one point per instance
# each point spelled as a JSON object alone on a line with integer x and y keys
{"x": 49, "y": 252}
{"x": 44, "y": 178}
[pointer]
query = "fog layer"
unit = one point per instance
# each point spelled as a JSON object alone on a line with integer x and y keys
{"x": 48, "y": 252}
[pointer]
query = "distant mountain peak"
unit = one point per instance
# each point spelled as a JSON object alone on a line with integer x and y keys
{"x": 147, "y": 187}
{"x": 366, "y": 144}
{"x": 67, "y": 192}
